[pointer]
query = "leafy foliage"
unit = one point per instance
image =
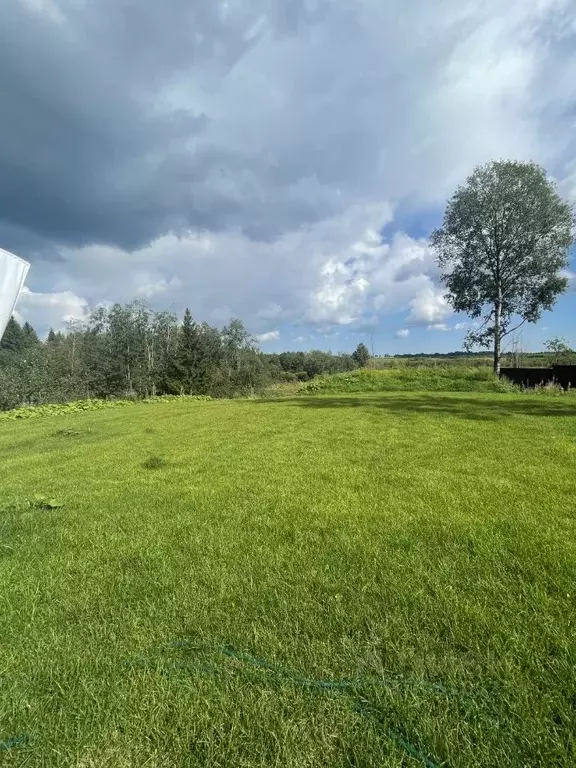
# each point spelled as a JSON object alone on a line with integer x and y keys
{"x": 132, "y": 352}
{"x": 302, "y": 366}
{"x": 559, "y": 350}
{"x": 128, "y": 351}
{"x": 38, "y": 501}
{"x": 361, "y": 355}
{"x": 63, "y": 409}
{"x": 503, "y": 242}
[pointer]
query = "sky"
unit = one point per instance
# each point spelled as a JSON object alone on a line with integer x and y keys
{"x": 281, "y": 161}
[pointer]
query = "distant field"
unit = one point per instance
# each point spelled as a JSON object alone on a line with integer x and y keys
{"x": 454, "y": 361}
{"x": 524, "y": 359}
{"x": 346, "y": 580}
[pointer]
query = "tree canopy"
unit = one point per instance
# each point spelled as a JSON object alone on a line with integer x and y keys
{"x": 133, "y": 350}
{"x": 13, "y": 338}
{"x": 502, "y": 247}
{"x": 361, "y": 355}
{"x": 559, "y": 349}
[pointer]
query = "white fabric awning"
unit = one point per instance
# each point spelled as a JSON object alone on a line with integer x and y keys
{"x": 13, "y": 271}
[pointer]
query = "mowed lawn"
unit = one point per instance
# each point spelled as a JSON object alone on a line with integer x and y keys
{"x": 386, "y": 580}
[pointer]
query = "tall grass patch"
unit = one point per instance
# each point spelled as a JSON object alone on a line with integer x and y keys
{"x": 431, "y": 379}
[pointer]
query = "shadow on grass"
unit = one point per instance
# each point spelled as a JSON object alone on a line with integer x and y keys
{"x": 487, "y": 408}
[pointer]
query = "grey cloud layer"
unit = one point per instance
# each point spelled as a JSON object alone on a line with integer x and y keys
{"x": 87, "y": 151}
{"x": 259, "y": 125}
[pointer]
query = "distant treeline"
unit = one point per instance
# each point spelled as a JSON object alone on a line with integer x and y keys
{"x": 462, "y": 355}
{"x": 133, "y": 351}
{"x": 514, "y": 359}
{"x": 433, "y": 355}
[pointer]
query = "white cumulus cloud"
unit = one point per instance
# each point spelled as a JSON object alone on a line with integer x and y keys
{"x": 268, "y": 336}
{"x": 51, "y": 310}
{"x": 429, "y": 307}
{"x": 337, "y": 272}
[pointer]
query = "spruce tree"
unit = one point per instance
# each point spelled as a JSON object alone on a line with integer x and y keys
{"x": 361, "y": 355}
{"x": 187, "y": 355}
{"x": 29, "y": 336}
{"x": 13, "y": 339}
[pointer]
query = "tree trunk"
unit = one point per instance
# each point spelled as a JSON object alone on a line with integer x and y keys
{"x": 128, "y": 372}
{"x": 497, "y": 332}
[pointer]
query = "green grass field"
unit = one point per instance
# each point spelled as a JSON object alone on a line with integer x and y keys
{"x": 363, "y": 581}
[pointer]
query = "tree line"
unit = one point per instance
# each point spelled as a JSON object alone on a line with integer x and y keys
{"x": 131, "y": 350}
{"x": 503, "y": 248}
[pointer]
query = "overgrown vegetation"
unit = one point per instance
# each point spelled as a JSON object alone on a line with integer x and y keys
{"x": 65, "y": 409}
{"x": 559, "y": 351}
{"x": 131, "y": 351}
{"x": 323, "y": 581}
{"x": 431, "y": 379}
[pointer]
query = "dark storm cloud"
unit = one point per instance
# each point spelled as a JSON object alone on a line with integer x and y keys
{"x": 275, "y": 136}
{"x": 85, "y": 154}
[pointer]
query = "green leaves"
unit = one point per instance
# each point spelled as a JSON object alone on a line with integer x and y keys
{"x": 559, "y": 350}
{"x": 62, "y": 409}
{"x": 43, "y": 502}
{"x": 37, "y": 501}
{"x": 361, "y": 355}
{"x": 503, "y": 242}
